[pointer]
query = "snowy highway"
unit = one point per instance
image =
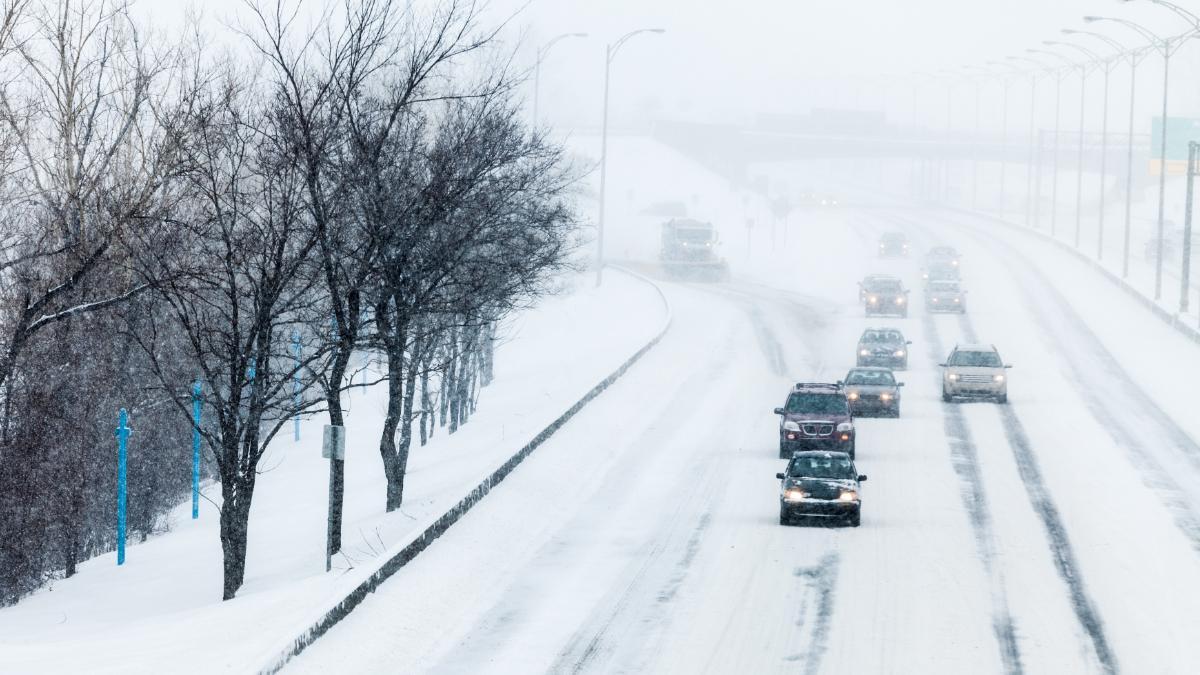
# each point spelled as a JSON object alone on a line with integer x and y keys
{"x": 1057, "y": 533}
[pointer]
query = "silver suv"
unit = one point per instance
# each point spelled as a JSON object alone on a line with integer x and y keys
{"x": 975, "y": 371}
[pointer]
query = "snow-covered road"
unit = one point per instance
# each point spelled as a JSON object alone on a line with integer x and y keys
{"x": 1055, "y": 534}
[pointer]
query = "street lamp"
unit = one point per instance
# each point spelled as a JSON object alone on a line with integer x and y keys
{"x": 1006, "y": 84}
{"x": 1167, "y": 47}
{"x": 537, "y": 67}
{"x": 1032, "y": 203}
{"x": 1083, "y": 72}
{"x": 1135, "y": 56}
{"x": 1058, "y": 78}
{"x": 610, "y": 52}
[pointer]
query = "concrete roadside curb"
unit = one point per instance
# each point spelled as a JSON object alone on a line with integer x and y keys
{"x": 402, "y": 554}
{"x": 1167, "y": 317}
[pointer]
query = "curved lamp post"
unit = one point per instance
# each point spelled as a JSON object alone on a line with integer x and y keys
{"x": 1167, "y": 47}
{"x": 1094, "y": 60}
{"x": 1057, "y": 125}
{"x": 537, "y": 67}
{"x": 610, "y": 52}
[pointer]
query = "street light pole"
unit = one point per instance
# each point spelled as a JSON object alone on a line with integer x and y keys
{"x": 537, "y": 68}
{"x": 610, "y": 52}
{"x": 1058, "y": 77}
{"x": 1031, "y": 204}
{"x": 1109, "y": 64}
{"x": 1167, "y": 47}
{"x": 1083, "y": 73}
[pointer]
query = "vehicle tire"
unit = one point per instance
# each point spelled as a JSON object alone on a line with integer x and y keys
{"x": 1002, "y": 399}
{"x": 783, "y": 517}
{"x": 904, "y": 314}
{"x": 783, "y": 453}
{"x": 896, "y": 412}
{"x": 851, "y": 453}
{"x": 854, "y": 520}
{"x": 946, "y": 397}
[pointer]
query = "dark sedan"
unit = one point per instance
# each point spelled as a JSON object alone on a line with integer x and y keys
{"x": 822, "y": 485}
{"x": 873, "y": 392}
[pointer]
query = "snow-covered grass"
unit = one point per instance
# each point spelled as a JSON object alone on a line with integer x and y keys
{"x": 161, "y": 611}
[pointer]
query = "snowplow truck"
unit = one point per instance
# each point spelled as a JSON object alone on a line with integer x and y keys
{"x": 689, "y": 251}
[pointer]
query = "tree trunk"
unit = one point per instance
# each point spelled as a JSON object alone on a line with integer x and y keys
{"x": 337, "y": 467}
{"x": 235, "y": 521}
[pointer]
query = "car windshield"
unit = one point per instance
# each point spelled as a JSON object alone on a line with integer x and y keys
{"x": 817, "y": 404}
{"x": 944, "y": 287}
{"x": 889, "y": 286}
{"x": 695, "y": 236}
{"x": 877, "y": 378}
{"x": 976, "y": 359}
{"x": 893, "y": 237}
{"x": 876, "y": 336}
{"x": 838, "y": 468}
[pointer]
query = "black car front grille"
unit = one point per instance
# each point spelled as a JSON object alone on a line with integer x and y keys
{"x": 821, "y": 429}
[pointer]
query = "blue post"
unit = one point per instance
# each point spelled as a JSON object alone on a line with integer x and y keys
{"x": 296, "y": 381}
{"x": 122, "y": 440}
{"x": 196, "y": 449}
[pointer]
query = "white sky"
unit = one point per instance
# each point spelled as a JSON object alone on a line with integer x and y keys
{"x": 726, "y": 61}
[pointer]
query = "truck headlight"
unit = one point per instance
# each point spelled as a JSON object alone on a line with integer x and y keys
{"x": 845, "y": 427}
{"x": 794, "y": 495}
{"x": 872, "y": 300}
{"x": 791, "y": 426}
{"x": 899, "y": 352}
{"x": 848, "y": 496}
{"x": 900, "y": 300}
{"x": 853, "y": 396}
{"x": 885, "y": 397}
{"x": 953, "y": 377}
{"x": 998, "y": 378}
{"x": 863, "y": 352}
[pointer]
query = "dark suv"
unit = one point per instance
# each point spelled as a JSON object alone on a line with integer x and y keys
{"x": 884, "y": 347}
{"x": 886, "y": 295}
{"x": 893, "y": 245}
{"x": 816, "y": 416}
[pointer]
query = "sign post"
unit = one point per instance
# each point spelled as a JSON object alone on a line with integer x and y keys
{"x": 296, "y": 383}
{"x": 122, "y": 434}
{"x": 1186, "y": 264}
{"x": 196, "y": 408}
{"x": 333, "y": 448}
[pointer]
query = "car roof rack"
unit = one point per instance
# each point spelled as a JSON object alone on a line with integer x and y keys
{"x": 832, "y": 386}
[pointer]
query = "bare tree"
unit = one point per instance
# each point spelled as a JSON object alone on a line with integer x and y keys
{"x": 474, "y": 222}
{"x": 241, "y": 283}
{"x": 345, "y": 90}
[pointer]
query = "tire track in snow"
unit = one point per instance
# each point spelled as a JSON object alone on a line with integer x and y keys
{"x": 964, "y": 457}
{"x": 1087, "y": 352}
{"x": 820, "y": 580}
{"x": 1056, "y": 532}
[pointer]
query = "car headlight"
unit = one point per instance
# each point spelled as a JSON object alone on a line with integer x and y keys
{"x": 954, "y": 263}
{"x": 863, "y": 352}
{"x": 998, "y": 378}
{"x": 848, "y": 496}
{"x": 885, "y": 397}
{"x": 794, "y": 495}
{"x": 791, "y": 426}
{"x": 952, "y": 377}
{"x": 845, "y": 426}
{"x": 853, "y": 396}
{"x": 899, "y": 352}
{"x": 872, "y": 299}
{"x": 935, "y": 300}
{"x": 956, "y": 300}
{"x": 900, "y": 300}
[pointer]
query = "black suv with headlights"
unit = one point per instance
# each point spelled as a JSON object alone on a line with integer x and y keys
{"x": 885, "y": 295}
{"x": 820, "y": 484}
{"x": 884, "y": 347}
{"x": 816, "y": 416}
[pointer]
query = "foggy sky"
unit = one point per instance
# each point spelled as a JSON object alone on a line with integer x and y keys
{"x": 728, "y": 61}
